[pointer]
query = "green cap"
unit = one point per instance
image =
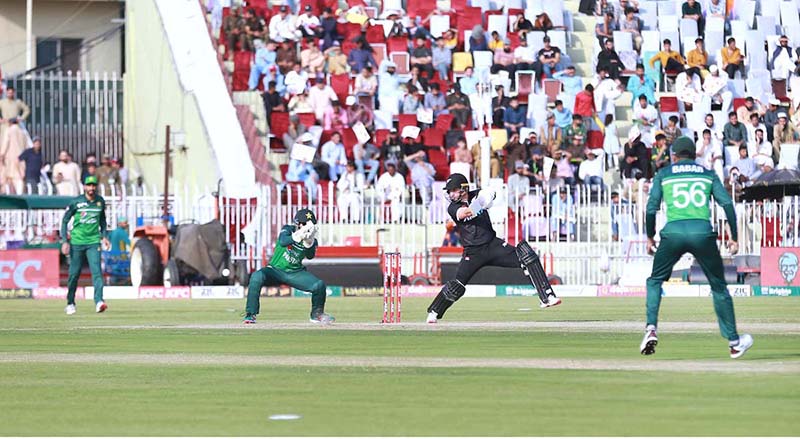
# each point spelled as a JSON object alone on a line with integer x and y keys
{"x": 90, "y": 179}
{"x": 683, "y": 144}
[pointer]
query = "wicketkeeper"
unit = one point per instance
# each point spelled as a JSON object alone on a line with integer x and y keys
{"x": 482, "y": 247}
{"x": 83, "y": 241}
{"x": 296, "y": 242}
{"x": 685, "y": 188}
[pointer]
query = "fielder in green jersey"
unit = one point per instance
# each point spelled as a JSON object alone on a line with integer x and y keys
{"x": 84, "y": 240}
{"x": 686, "y": 187}
{"x": 295, "y": 243}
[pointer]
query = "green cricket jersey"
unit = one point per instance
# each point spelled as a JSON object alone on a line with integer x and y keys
{"x": 88, "y": 220}
{"x": 288, "y": 254}
{"x": 686, "y": 188}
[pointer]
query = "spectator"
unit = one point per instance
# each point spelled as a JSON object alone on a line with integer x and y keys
{"x": 389, "y": 88}
{"x": 91, "y": 159}
{"x": 301, "y": 171}
{"x": 357, "y": 112}
{"x": 296, "y": 81}
{"x": 299, "y": 104}
{"x": 282, "y": 26}
{"x": 688, "y": 88}
{"x": 450, "y": 39}
{"x": 462, "y": 154}
{"x": 562, "y": 216}
{"x": 708, "y": 153}
{"x": 771, "y": 117}
{"x": 503, "y": 60}
{"x": 670, "y": 59}
{"x": 632, "y": 25}
{"x": 336, "y": 60}
{"x": 312, "y": 60}
{"x": 308, "y": 24}
{"x": 535, "y": 167}
{"x": 611, "y": 145}
{"x": 732, "y": 59}
{"x": 692, "y": 10}
{"x": 366, "y": 158}
{"x": 645, "y": 116}
{"x": 32, "y": 157}
{"x": 518, "y": 184}
{"x": 12, "y": 110}
{"x": 442, "y": 59}
{"x": 435, "y": 100}
{"x": 390, "y": 187}
{"x": 551, "y": 135}
{"x": 746, "y": 166}
{"x": 477, "y": 41}
{"x": 335, "y": 118}
{"x": 273, "y": 100}
{"x": 366, "y": 84}
{"x": 522, "y": 26}
{"x": 459, "y": 106}
{"x": 574, "y": 131}
{"x": 575, "y": 151}
{"x": 697, "y": 58}
{"x": 784, "y": 61}
{"x": 640, "y": 84}
{"x": 119, "y": 238}
{"x": 499, "y": 105}
{"x": 296, "y": 133}
{"x": 543, "y": 22}
{"x": 253, "y": 29}
{"x": 412, "y": 101}
{"x": 572, "y": 84}
{"x": 591, "y": 170}
{"x": 716, "y": 86}
{"x": 233, "y": 25}
{"x": 496, "y": 43}
{"x": 417, "y": 80}
{"x": 609, "y": 60}
{"x": 451, "y": 235}
{"x": 605, "y": 31}
{"x": 619, "y": 208}
{"x": 350, "y": 187}
{"x": 361, "y": 56}
{"x": 661, "y": 154}
{"x": 468, "y": 82}
{"x": 66, "y": 175}
{"x": 734, "y": 133}
{"x": 422, "y": 174}
{"x": 531, "y": 142}
{"x": 716, "y": 130}
{"x": 606, "y": 92}
{"x": 334, "y": 155}
{"x": 12, "y": 145}
{"x": 716, "y": 8}
{"x": 321, "y": 97}
{"x": 760, "y": 150}
{"x": 755, "y": 124}
{"x": 495, "y": 165}
{"x": 422, "y": 57}
{"x": 523, "y": 56}
{"x": 328, "y": 28}
{"x": 784, "y": 133}
{"x": 562, "y": 115}
{"x": 548, "y": 59}
{"x": 584, "y": 103}
{"x": 564, "y": 168}
{"x": 636, "y": 160}
{"x": 672, "y": 131}
{"x": 106, "y": 175}
{"x": 603, "y": 8}
{"x": 514, "y": 117}
{"x": 121, "y": 171}
{"x": 286, "y": 57}
{"x": 743, "y": 113}
{"x": 514, "y": 151}
{"x": 392, "y": 147}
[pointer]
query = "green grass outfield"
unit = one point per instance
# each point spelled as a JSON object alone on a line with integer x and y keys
{"x": 495, "y": 366}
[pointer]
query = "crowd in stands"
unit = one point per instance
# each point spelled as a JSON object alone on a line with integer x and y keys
{"x": 23, "y": 169}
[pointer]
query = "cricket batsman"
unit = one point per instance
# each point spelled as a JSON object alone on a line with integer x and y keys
{"x": 83, "y": 241}
{"x": 482, "y": 247}
{"x": 685, "y": 188}
{"x": 296, "y": 242}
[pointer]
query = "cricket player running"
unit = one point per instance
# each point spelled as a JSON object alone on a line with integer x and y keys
{"x": 88, "y": 215}
{"x": 296, "y": 242}
{"x": 482, "y": 247}
{"x": 685, "y": 188}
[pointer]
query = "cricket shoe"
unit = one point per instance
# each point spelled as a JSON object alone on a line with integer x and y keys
{"x": 648, "y": 346}
{"x": 322, "y": 319}
{"x": 249, "y": 319}
{"x": 745, "y": 343}
{"x": 70, "y": 310}
{"x": 552, "y": 301}
{"x": 100, "y": 307}
{"x": 433, "y": 317}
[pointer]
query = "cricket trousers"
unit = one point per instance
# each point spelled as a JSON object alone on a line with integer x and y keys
{"x": 77, "y": 254}
{"x": 303, "y": 280}
{"x": 697, "y": 238}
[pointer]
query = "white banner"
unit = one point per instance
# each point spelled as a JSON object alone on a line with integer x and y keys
{"x": 218, "y": 292}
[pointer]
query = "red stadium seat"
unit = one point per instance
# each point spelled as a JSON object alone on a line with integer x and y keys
{"x": 380, "y": 136}
{"x": 439, "y": 161}
{"x": 513, "y": 40}
{"x": 375, "y": 35}
{"x": 737, "y": 102}
{"x": 397, "y": 44}
{"x": 242, "y": 59}
{"x": 552, "y": 87}
{"x": 341, "y": 86}
{"x": 405, "y": 120}
{"x": 433, "y": 137}
{"x": 444, "y": 122}
{"x": 348, "y": 46}
{"x": 594, "y": 139}
{"x": 307, "y": 119}
{"x": 669, "y": 104}
{"x": 279, "y": 123}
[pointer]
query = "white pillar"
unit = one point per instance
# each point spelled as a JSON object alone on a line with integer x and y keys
{"x": 29, "y": 35}
{"x": 486, "y": 163}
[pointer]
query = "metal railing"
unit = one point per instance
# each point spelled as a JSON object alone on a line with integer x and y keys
{"x": 589, "y": 238}
{"x": 80, "y": 112}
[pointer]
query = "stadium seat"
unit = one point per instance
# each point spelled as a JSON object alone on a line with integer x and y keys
{"x": 404, "y": 120}
{"x": 402, "y": 60}
{"x": 375, "y": 35}
{"x": 397, "y": 44}
{"x": 444, "y": 122}
{"x": 307, "y": 119}
{"x": 279, "y": 123}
